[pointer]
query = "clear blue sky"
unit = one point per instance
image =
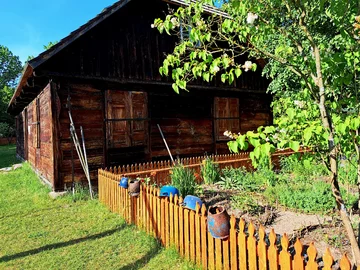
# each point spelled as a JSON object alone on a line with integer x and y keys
{"x": 25, "y": 26}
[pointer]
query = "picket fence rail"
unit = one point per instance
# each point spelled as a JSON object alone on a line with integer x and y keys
{"x": 159, "y": 172}
{"x": 186, "y": 230}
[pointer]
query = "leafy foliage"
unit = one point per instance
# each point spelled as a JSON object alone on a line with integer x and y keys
{"x": 316, "y": 42}
{"x": 184, "y": 180}
{"x": 210, "y": 172}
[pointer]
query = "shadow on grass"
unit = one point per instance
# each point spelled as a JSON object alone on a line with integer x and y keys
{"x": 8, "y": 155}
{"x": 140, "y": 263}
{"x": 60, "y": 245}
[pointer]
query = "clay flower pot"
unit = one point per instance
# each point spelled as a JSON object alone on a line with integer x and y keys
{"x": 218, "y": 222}
{"x": 134, "y": 188}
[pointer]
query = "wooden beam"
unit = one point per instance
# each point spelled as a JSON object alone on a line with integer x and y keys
{"x": 149, "y": 82}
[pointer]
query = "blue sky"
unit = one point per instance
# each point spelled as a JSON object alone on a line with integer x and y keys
{"x": 25, "y": 26}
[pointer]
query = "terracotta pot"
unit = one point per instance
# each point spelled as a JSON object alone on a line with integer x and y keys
{"x": 218, "y": 222}
{"x": 134, "y": 188}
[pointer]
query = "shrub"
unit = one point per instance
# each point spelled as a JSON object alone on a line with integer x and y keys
{"x": 184, "y": 180}
{"x": 240, "y": 178}
{"x": 210, "y": 172}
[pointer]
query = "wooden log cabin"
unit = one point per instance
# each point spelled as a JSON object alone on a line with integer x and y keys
{"x": 108, "y": 72}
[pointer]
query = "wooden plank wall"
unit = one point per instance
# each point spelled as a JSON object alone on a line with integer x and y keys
{"x": 124, "y": 47}
{"x": 186, "y": 122}
{"x": 87, "y": 111}
{"x": 42, "y": 157}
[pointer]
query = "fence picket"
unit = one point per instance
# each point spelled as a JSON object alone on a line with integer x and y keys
{"x": 298, "y": 261}
{"x": 187, "y": 230}
{"x": 328, "y": 260}
{"x": 262, "y": 249}
{"x": 272, "y": 251}
{"x": 186, "y": 234}
{"x": 198, "y": 235}
{"x": 285, "y": 257}
{"x": 251, "y": 247}
{"x": 211, "y": 252}
{"x": 242, "y": 245}
{"x": 312, "y": 264}
{"x": 233, "y": 243}
{"x": 204, "y": 234}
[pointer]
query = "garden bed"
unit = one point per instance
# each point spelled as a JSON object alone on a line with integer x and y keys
{"x": 296, "y": 199}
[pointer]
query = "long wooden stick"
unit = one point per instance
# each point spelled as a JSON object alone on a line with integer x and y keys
{"x": 166, "y": 145}
{"x": 86, "y": 162}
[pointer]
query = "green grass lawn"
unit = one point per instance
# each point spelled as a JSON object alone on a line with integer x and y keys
{"x": 7, "y": 155}
{"x": 37, "y": 232}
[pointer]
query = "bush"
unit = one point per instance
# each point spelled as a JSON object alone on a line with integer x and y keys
{"x": 210, "y": 172}
{"x": 240, "y": 178}
{"x": 184, "y": 180}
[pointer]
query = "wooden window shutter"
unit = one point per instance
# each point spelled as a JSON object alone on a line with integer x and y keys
{"x": 226, "y": 114}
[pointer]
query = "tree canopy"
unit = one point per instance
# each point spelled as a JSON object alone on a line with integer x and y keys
{"x": 10, "y": 69}
{"x": 312, "y": 49}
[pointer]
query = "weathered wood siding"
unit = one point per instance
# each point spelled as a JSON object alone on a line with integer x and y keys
{"x": 125, "y": 48}
{"x": 186, "y": 122}
{"x": 39, "y": 135}
{"x": 87, "y": 111}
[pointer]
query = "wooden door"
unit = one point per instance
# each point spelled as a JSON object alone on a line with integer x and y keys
{"x": 139, "y": 111}
{"x": 124, "y": 110}
{"x": 226, "y": 114}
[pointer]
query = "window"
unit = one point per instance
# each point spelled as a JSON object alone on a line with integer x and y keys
{"x": 226, "y": 117}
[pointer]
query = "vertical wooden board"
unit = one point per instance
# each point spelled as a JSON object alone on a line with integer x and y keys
{"x": 298, "y": 260}
{"x": 285, "y": 257}
{"x": 181, "y": 228}
{"x": 198, "y": 233}
{"x": 167, "y": 223}
{"x": 158, "y": 213}
{"x": 171, "y": 220}
{"x": 192, "y": 236}
{"x": 233, "y": 244}
{"x": 176, "y": 223}
{"x": 204, "y": 240}
{"x": 262, "y": 249}
{"x": 186, "y": 234}
{"x": 154, "y": 213}
{"x": 147, "y": 217}
{"x": 251, "y": 246}
{"x": 226, "y": 254}
{"x": 218, "y": 254}
{"x": 328, "y": 260}
{"x": 211, "y": 252}
{"x": 272, "y": 251}
{"x": 345, "y": 263}
{"x": 151, "y": 229}
{"x": 162, "y": 216}
{"x": 242, "y": 246}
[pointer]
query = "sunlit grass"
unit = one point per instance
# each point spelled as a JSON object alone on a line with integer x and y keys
{"x": 37, "y": 232}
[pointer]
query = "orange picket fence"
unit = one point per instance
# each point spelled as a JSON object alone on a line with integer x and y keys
{"x": 159, "y": 172}
{"x": 186, "y": 230}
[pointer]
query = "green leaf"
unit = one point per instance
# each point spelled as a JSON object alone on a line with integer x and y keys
{"x": 176, "y": 88}
{"x": 206, "y": 76}
{"x": 233, "y": 146}
{"x": 238, "y": 72}
{"x": 295, "y": 146}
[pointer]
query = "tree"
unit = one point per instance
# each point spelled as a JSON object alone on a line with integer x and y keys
{"x": 46, "y": 47}
{"x": 10, "y": 69}
{"x": 313, "y": 45}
